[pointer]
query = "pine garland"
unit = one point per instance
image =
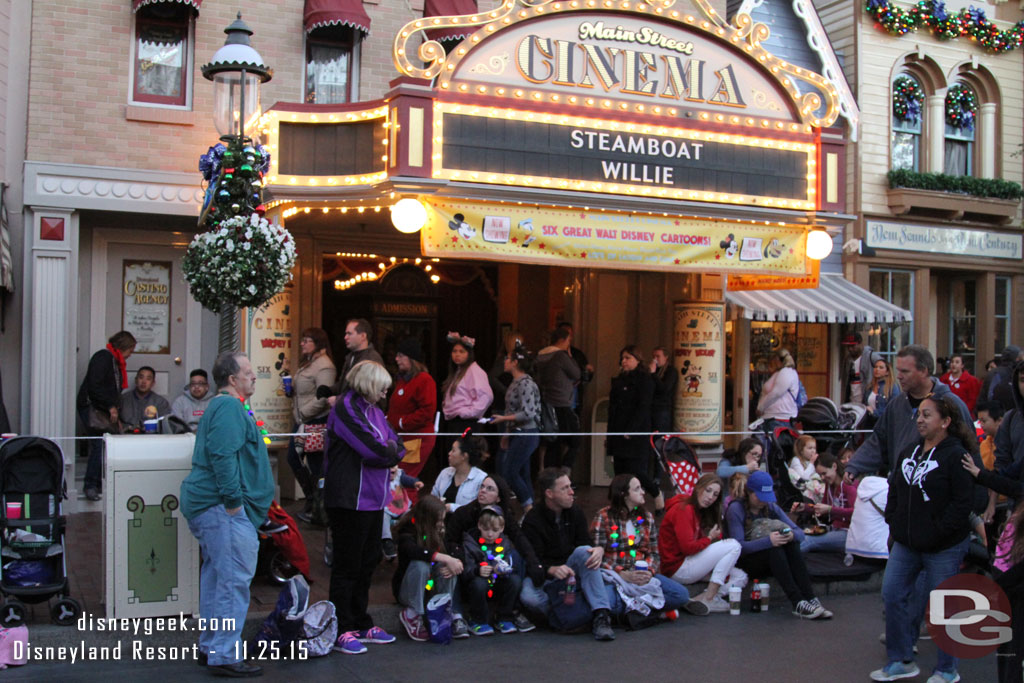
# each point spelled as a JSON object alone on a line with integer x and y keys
{"x": 932, "y": 15}
{"x": 907, "y": 97}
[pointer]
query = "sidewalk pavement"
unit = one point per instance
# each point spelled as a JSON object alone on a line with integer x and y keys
{"x": 87, "y": 582}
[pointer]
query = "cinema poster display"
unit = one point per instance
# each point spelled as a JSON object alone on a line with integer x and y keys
{"x": 698, "y": 347}
{"x": 267, "y": 339}
{"x": 605, "y": 239}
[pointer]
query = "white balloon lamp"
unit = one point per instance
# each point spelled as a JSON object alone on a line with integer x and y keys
{"x": 408, "y": 215}
{"x": 819, "y": 244}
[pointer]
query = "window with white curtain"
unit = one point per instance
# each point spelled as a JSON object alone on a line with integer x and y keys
{"x": 329, "y": 63}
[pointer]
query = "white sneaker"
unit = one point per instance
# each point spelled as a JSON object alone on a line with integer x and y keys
{"x": 717, "y": 604}
{"x": 942, "y": 677}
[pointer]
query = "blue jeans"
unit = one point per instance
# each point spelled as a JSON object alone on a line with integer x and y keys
{"x": 904, "y": 594}
{"x": 831, "y": 542}
{"x": 676, "y": 595}
{"x": 413, "y": 591}
{"x": 514, "y": 463}
{"x": 588, "y": 580}
{"x": 229, "y": 546}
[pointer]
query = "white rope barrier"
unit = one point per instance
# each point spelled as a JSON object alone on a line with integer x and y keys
{"x": 420, "y": 435}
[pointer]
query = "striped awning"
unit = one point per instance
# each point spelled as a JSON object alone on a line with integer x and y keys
{"x": 836, "y": 300}
{"x": 194, "y": 4}
{"x": 319, "y": 13}
{"x": 449, "y": 8}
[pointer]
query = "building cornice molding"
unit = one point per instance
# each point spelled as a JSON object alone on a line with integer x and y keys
{"x": 104, "y": 188}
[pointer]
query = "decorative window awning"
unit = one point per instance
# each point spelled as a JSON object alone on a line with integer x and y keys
{"x": 836, "y": 300}
{"x": 321, "y": 13}
{"x": 138, "y": 4}
{"x": 449, "y": 8}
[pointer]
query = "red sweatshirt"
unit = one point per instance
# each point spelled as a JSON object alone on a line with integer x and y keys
{"x": 413, "y": 404}
{"x": 680, "y": 534}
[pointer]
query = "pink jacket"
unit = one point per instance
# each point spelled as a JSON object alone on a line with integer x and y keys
{"x": 471, "y": 398}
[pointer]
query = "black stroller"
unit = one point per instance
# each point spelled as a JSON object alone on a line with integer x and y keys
{"x": 33, "y": 563}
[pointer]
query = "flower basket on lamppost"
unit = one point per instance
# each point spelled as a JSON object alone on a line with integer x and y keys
{"x": 239, "y": 259}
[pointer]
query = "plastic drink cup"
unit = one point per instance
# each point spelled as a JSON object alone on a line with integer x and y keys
{"x": 151, "y": 426}
{"x": 735, "y": 598}
{"x": 765, "y": 589}
{"x": 7, "y": 435}
{"x": 287, "y": 382}
{"x": 13, "y": 510}
{"x": 642, "y": 566}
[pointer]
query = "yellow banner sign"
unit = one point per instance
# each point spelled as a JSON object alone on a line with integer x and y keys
{"x": 740, "y": 283}
{"x": 598, "y": 239}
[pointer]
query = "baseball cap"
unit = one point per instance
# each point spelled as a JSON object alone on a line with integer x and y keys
{"x": 852, "y": 339}
{"x": 762, "y": 486}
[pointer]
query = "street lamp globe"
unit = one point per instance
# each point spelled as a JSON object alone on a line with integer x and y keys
{"x": 408, "y": 215}
{"x": 237, "y": 70}
{"x": 819, "y": 244}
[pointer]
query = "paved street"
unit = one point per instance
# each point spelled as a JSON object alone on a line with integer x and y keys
{"x": 763, "y": 647}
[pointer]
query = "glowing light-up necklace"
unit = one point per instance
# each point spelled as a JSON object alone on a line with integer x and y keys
{"x": 259, "y": 422}
{"x": 498, "y": 553}
{"x": 631, "y": 539}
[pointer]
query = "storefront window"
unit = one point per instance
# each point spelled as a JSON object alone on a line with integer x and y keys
{"x": 329, "y": 58}
{"x": 162, "y": 54}
{"x": 963, "y": 320}
{"x": 1002, "y": 316}
{"x": 808, "y": 342}
{"x": 896, "y": 287}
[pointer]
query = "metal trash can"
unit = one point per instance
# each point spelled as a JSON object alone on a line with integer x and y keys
{"x": 151, "y": 559}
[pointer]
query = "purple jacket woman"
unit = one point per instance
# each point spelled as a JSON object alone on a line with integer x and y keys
{"x": 361, "y": 450}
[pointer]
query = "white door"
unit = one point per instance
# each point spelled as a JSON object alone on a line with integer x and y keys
{"x": 146, "y": 294}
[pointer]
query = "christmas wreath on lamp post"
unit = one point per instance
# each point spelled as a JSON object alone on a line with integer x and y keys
{"x": 241, "y": 259}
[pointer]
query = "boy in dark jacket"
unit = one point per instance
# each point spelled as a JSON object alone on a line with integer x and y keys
{"x": 491, "y": 570}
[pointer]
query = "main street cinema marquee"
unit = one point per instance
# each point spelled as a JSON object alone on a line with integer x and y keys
{"x": 657, "y": 99}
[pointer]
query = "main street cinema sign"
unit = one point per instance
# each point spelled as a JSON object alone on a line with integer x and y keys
{"x": 622, "y": 97}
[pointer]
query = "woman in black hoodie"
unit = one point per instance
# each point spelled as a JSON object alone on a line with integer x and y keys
{"x": 629, "y": 410}
{"x": 930, "y": 495}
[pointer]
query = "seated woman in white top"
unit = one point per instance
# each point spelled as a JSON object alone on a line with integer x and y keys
{"x": 778, "y": 396}
{"x": 459, "y": 483}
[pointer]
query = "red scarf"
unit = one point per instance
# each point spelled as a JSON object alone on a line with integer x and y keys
{"x": 120, "y": 364}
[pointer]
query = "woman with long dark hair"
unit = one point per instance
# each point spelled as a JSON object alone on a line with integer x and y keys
{"x": 466, "y": 393}
{"x": 628, "y": 534}
{"x": 692, "y": 545}
{"x": 422, "y": 563}
{"x": 834, "y": 511}
{"x": 928, "y": 512}
{"x": 459, "y": 483}
{"x": 629, "y": 410}
{"x": 316, "y": 367}
{"x": 744, "y": 460}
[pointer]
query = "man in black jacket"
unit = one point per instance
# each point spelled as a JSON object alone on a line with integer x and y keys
{"x": 560, "y": 535}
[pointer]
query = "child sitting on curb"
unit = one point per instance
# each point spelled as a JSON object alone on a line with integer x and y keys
{"x": 492, "y": 569}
